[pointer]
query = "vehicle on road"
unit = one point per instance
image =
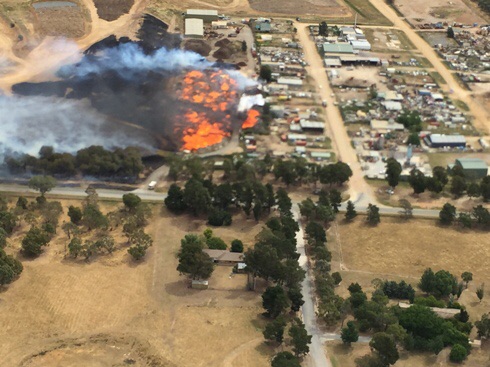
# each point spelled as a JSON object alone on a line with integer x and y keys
{"x": 152, "y": 185}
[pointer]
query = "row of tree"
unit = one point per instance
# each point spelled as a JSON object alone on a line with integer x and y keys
{"x": 479, "y": 217}
{"x": 419, "y": 182}
{"x": 92, "y": 161}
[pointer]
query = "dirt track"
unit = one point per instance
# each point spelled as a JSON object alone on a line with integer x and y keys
{"x": 481, "y": 116}
{"x": 358, "y": 188}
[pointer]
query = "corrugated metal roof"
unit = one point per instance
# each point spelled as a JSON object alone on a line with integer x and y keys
{"x": 472, "y": 163}
{"x": 339, "y": 48}
{"x": 194, "y": 27}
{"x": 202, "y": 12}
{"x": 441, "y": 139}
{"x": 311, "y": 124}
{"x": 320, "y": 154}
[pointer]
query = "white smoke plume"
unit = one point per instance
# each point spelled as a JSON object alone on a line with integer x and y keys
{"x": 28, "y": 123}
{"x": 129, "y": 59}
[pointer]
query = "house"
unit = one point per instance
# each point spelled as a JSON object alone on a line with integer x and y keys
{"x": 224, "y": 257}
{"x": 361, "y": 45}
{"x": 321, "y": 156}
{"x": 206, "y": 15}
{"x": 441, "y": 141}
{"x": 313, "y": 126}
{"x": 263, "y": 27}
{"x": 473, "y": 168}
{"x": 219, "y": 24}
{"x": 194, "y": 28}
{"x": 392, "y": 105}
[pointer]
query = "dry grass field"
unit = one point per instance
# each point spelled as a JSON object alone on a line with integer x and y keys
{"x": 397, "y": 250}
{"x": 112, "y": 311}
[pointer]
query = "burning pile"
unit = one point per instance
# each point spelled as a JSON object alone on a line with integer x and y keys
{"x": 212, "y": 95}
{"x": 207, "y": 119}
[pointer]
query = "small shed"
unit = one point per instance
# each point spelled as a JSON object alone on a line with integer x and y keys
{"x": 219, "y": 24}
{"x": 441, "y": 141}
{"x": 321, "y": 156}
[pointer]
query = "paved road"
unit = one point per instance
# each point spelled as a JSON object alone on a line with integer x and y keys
{"x": 317, "y": 356}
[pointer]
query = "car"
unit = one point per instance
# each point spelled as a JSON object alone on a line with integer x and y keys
{"x": 324, "y": 103}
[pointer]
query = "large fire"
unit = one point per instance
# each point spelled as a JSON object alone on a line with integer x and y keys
{"x": 212, "y": 97}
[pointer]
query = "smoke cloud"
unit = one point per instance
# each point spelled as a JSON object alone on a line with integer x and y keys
{"x": 28, "y": 123}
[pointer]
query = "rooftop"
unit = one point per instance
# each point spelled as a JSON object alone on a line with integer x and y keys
{"x": 441, "y": 138}
{"x": 194, "y": 27}
{"x": 339, "y": 48}
{"x": 472, "y": 163}
{"x": 201, "y": 12}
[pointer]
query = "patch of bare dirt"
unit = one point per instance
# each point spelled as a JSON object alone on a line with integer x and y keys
{"x": 293, "y": 7}
{"x": 198, "y": 46}
{"x": 112, "y": 9}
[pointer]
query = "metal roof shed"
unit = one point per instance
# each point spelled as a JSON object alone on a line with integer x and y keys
{"x": 207, "y": 15}
{"x": 194, "y": 28}
{"x": 473, "y": 167}
{"x": 440, "y": 141}
{"x": 338, "y": 48}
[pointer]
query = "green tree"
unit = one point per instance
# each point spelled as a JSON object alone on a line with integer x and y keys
{"x": 458, "y": 352}
{"x": 393, "y": 172}
{"x": 43, "y": 184}
{"x": 485, "y": 188}
{"x": 413, "y": 139}
{"x": 75, "y": 214}
{"x": 10, "y": 268}
{"x": 483, "y": 326}
{"x": 447, "y": 215}
{"x": 244, "y": 46}
{"x": 70, "y": 229}
{"x": 440, "y": 174}
{"x": 275, "y": 301}
{"x": 350, "y": 212}
{"x": 323, "y": 29}
{"x": 22, "y": 203}
{"x": 285, "y": 359}
{"x": 8, "y": 221}
{"x": 433, "y": 185}
{"x": 296, "y": 298}
{"x": 481, "y": 215}
{"x": 480, "y": 292}
{"x": 465, "y": 220}
{"x": 407, "y": 209}
{"x": 236, "y": 246}
{"x": 300, "y": 339}
{"x": 473, "y": 190}
{"x": 265, "y": 73}
{"x": 349, "y": 334}
{"x": 192, "y": 260}
{"x": 373, "y": 217}
{"x": 458, "y": 186}
{"x": 274, "y": 330}
{"x": 93, "y": 217}
{"x": 75, "y": 247}
{"x": 467, "y": 277}
{"x": 417, "y": 181}
{"x": 3, "y": 238}
{"x": 337, "y": 278}
{"x": 33, "y": 242}
{"x": 219, "y": 217}
{"x": 385, "y": 346}
{"x": 335, "y": 199}
{"x": 131, "y": 201}
{"x": 196, "y": 197}
{"x": 410, "y": 120}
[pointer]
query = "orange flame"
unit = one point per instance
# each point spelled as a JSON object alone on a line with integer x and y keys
{"x": 208, "y": 122}
{"x": 252, "y": 119}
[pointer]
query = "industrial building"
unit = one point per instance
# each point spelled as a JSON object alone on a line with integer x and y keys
{"x": 312, "y": 126}
{"x": 442, "y": 141}
{"x": 194, "y": 28}
{"x": 473, "y": 168}
{"x": 383, "y": 126}
{"x": 205, "y": 15}
{"x": 337, "y": 48}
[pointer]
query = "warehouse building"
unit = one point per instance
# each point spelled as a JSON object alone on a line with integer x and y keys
{"x": 312, "y": 126}
{"x": 473, "y": 168}
{"x": 207, "y": 16}
{"x": 442, "y": 141}
{"x": 337, "y": 48}
{"x": 194, "y": 28}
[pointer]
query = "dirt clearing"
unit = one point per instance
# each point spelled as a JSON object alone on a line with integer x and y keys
{"x": 315, "y": 7}
{"x": 61, "y": 22}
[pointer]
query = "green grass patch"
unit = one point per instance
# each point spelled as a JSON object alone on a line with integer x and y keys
{"x": 424, "y": 62}
{"x": 368, "y": 13}
{"x": 461, "y": 105}
{"x": 437, "y": 77}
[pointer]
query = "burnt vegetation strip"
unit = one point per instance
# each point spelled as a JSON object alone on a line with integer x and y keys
{"x": 113, "y": 9}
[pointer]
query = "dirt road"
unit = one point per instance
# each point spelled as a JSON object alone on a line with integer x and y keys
{"x": 481, "y": 116}
{"x": 359, "y": 190}
{"x": 51, "y": 53}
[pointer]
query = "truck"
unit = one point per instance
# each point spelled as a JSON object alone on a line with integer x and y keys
{"x": 152, "y": 185}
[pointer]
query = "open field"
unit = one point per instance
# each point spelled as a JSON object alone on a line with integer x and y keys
{"x": 420, "y": 11}
{"x": 345, "y": 356}
{"x": 307, "y": 7}
{"x": 112, "y": 311}
{"x": 367, "y": 13}
{"x": 397, "y": 250}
